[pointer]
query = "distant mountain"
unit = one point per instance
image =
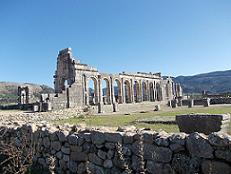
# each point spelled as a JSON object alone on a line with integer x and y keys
{"x": 9, "y": 91}
{"x": 213, "y": 82}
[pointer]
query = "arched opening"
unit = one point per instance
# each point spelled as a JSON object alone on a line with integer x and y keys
{"x": 151, "y": 90}
{"x": 117, "y": 91}
{"x": 93, "y": 91}
{"x": 64, "y": 84}
{"x": 144, "y": 89}
{"x": 136, "y": 91}
{"x": 127, "y": 92}
{"x": 106, "y": 91}
{"x": 158, "y": 92}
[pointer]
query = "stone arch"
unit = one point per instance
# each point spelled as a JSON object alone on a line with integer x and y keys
{"x": 117, "y": 90}
{"x": 136, "y": 91}
{"x": 127, "y": 91}
{"x": 144, "y": 91}
{"x": 106, "y": 95}
{"x": 92, "y": 85}
{"x": 151, "y": 91}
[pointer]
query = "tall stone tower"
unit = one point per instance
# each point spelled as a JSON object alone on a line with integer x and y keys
{"x": 65, "y": 73}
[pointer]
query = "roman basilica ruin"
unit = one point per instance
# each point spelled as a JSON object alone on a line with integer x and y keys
{"x": 120, "y": 91}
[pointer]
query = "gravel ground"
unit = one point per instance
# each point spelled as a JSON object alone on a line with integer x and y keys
{"x": 8, "y": 117}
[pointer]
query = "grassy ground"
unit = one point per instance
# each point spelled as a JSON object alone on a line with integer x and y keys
{"x": 116, "y": 120}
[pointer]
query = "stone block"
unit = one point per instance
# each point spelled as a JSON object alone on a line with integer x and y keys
{"x": 198, "y": 146}
{"x": 151, "y": 152}
{"x": 219, "y": 139}
{"x": 191, "y": 103}
{"x": 185, "y": 165}
{"x": 35, "y": 108}
{"x": 203, "y": 123}
{"x": 157, "y": 108}
{"x": 78, "y": 156}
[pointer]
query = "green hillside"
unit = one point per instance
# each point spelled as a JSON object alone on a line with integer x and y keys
{"x": 213, "y": 82}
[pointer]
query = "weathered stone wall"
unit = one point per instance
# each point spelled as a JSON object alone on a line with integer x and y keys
{"x": 77, "y": 150}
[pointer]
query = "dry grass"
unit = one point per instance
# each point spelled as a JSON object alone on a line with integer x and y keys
{"x": 116, "y": 120}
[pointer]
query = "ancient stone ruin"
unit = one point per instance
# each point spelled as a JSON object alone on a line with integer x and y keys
{"x": 72, "y": 87}
{"x": 23, "y": 95}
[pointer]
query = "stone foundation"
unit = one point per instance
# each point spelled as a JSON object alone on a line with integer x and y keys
{"x": 82, "y": 150}
{"x": 203, "y": 123}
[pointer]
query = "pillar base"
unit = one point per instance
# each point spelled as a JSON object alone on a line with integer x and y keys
{"x": 115, "y": 107}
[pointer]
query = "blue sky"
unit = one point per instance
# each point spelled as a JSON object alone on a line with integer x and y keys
{"x": 175, "y": 37}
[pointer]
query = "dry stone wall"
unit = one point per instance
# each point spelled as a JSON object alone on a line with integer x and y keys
{"x": 83, "y": 150}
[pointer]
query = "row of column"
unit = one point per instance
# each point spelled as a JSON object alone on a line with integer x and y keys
{"x": 129, "y": 91}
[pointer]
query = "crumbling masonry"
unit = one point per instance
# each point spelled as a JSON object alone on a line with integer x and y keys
{"x": 72, "y": 89}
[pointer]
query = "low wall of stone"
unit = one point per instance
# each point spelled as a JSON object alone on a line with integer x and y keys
{"x": 214, "y": 101}
{"x": 197, "y": 102}
{"x": 83, "y": 150}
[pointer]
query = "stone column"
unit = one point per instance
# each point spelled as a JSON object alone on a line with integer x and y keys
{"x": 86, "y": 92}
{"x": 191, "y": 103}
{"x": 112, "y": 91}
{"x": 100, "y": 103}
{"x": 122, "y": 91}
{"x": 151, "y": 89}
{"x": 132, "y": 91}
{"x": 141, "y": 91}
{"x": 100, "y": 93}
{"x": 154, "y": 91}
{"x": 207, "y": 102}
{"x": 96, "y": 91}
{"x": 148, "y": 91}
{"x": 109, "y": 92}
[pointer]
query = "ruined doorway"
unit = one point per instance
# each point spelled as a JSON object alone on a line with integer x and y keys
{"x": 127, "y": 92}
